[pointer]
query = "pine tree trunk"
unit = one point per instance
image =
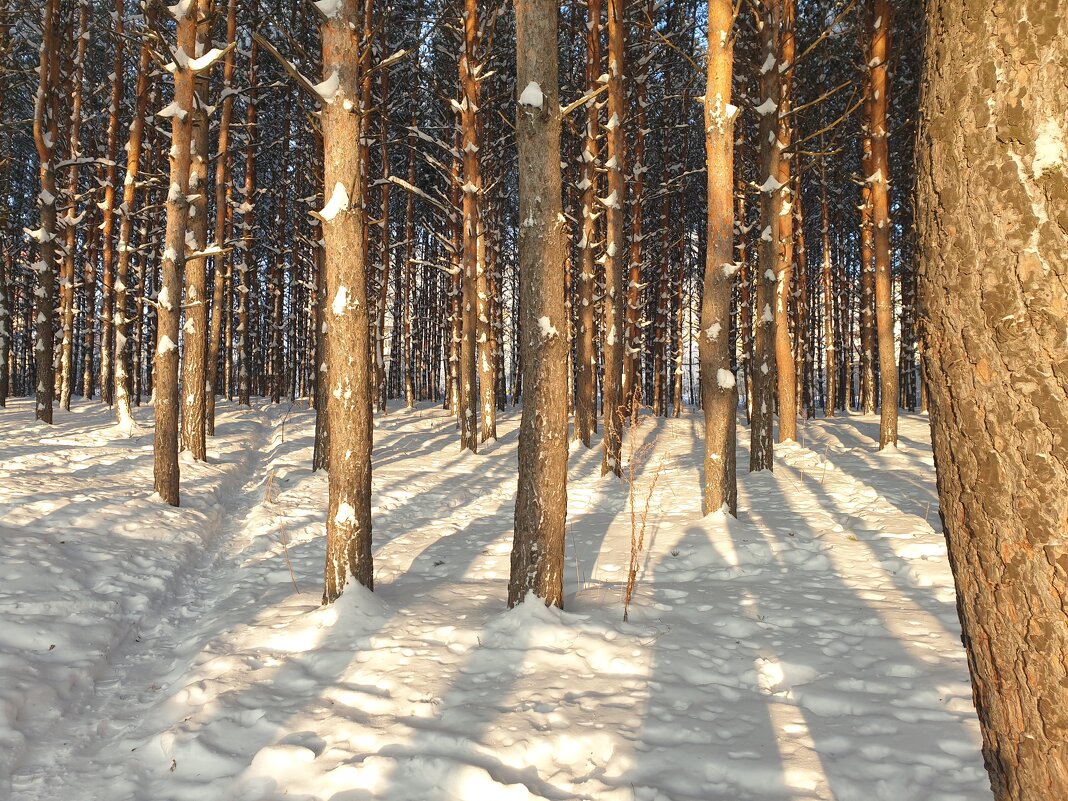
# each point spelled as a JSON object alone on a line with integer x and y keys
{"x": 992, "y": 175}
{"x": 346, "y": 341}
{"x": 246, "y": 264}
{"x": 785, "y": 366}
{"x": 123, "y": 408}
{"x": 880, "y": 185}
{"x": 719, "y": 393}
{"x": 614, "y": 343}
{"x": 108, "y": 223}
{"x": 45, "y": 133}
{"x": 632, "y": 354}
{"x": 761, "y": 456}
{"x": 71, "y": 219}
{"x": 867, "y": 269}
{"x": 223, "y": 191}
{"x": 585, "y": 353}
{"x": 541, "y": 501}
{"x": 195, "y": 302}
{"x": 470, "y": 189}
{"x": 165, "y": 378}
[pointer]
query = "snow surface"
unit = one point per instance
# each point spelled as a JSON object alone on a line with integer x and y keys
{"x": 808, "y": 650}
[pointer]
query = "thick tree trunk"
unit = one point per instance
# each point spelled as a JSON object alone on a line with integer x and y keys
{"x": 346, "y": 340}
{"x": 993, "y": 172}
{"x": 195, "y": 301}
{"x": 541, "y": 500}
{"x": 719, "y": 393}
{"x": 785, "y": 365}
{"x": 165, "y": 372}
{"x": 614, "y": 344}
{"x": 880, "y": 185}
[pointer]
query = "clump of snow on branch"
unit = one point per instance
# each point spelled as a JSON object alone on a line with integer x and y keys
{"x": 532, "y": 96}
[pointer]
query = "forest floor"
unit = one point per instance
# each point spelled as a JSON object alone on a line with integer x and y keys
{"x": 807, "y": 650}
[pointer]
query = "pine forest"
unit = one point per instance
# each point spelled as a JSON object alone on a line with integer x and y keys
{"x": 525, "y": 400}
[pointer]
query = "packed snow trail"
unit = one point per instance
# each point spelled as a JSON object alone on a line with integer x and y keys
{"x": 807, "y": 650}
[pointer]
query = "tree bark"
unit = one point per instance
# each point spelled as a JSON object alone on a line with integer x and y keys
{"x": 470, "y": 189}
{"x": 880, "y": 186}
{"x": 761, "y": 456}
{"x": 223, "y": 191}
{"x": 785, "y": 365}
{"x": 123, "y": 408}
{"x": 614, "y": 344}
{"x": 195, "y": 301}
{"x": 719, "y": 393}
{"x": 346, "y": 340}
{"x": 168, "y": 302}
{"x": 992, "y": 176}
{"x": 541, "y": 501}
{"x": 45, "y": 133}
{"x": 585, "y": 352}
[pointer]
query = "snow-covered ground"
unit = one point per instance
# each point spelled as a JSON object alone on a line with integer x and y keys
{"x": 808, "y": 650}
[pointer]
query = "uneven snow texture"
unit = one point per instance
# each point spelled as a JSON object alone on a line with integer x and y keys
{"x": 808, "y": 650}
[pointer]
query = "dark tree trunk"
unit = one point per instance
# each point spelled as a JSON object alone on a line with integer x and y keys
{"x": 541, "y": 500}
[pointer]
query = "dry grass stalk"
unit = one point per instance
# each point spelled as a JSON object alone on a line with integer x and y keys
{"x": 271, "y": 499}
{"x": 638, "y": 520}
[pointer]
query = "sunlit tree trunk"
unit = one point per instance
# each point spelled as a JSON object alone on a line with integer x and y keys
{"x": 719, "y": 393}
{"x": 346, "y": 340}
{"x": 195, "y": 301}
{"x": 785, "y": 366}
{"x": 123, "y": 408}
{"x": 168, "y": 302}
{"x": 880, "y": 184}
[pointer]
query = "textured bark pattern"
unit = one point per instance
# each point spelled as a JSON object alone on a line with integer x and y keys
{"x": 993, "y": 221}
{"x": 223, "y": 193}
{"x": 761, "y": 456}
{"x": 195, "y": 330}
{"x": 44, "y": 136}
{"x": 585, "y": 353}
{"x": 719, "y": 394}
{"x": 880, "y": 217}
{"x": 123, "y": 407}
{"x": 541, "y": 499}
{"x": 614, "y": 409}
{"x": 785, "y": 370}
{"x": 165, "y": 378}
{"x": 67, "y": 279}
{"x": 347, "y": 338}
{"x": 469, "y": 281}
